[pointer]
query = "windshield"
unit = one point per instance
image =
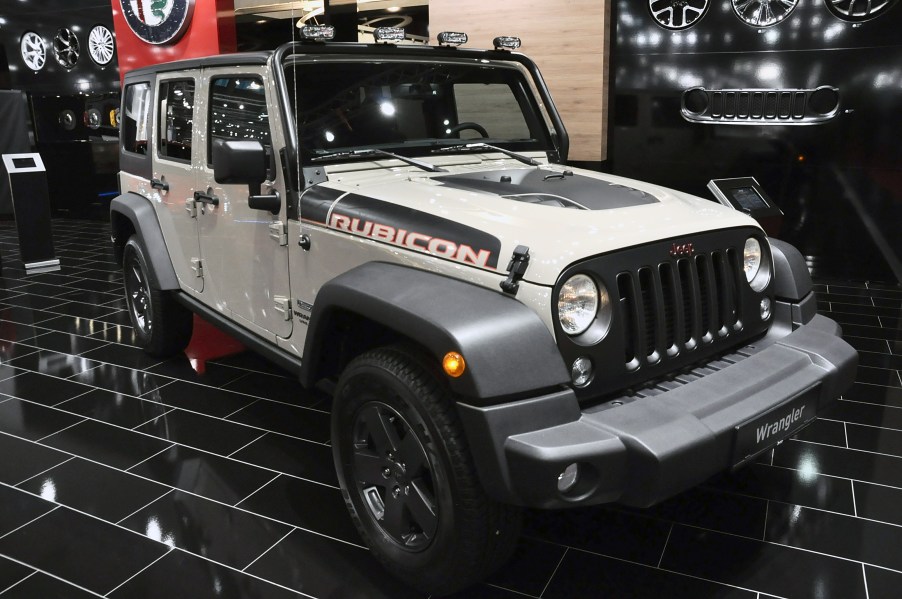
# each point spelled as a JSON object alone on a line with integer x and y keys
{"x": 411, "y": 107}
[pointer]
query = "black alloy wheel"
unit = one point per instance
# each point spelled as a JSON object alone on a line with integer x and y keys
{"x": 162, "y": 326}
{"x": 393, "y": 476}
{"x": 138, "y": 295}
{"x": 407, "y": 475}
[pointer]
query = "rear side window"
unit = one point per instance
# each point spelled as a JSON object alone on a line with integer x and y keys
{"x": 135, "y": 121}
{"x": 176, "y": 119}
{"x": 237, "y": 110}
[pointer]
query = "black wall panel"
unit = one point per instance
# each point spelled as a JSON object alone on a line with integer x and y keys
{"x": 839, "y": 182}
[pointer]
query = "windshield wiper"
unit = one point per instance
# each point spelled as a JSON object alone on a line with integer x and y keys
{"x": 473, "y": 146}
{"x": 375, "y": 151}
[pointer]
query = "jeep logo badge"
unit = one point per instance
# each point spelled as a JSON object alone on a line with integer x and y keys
{"x": 682, "y": 250}
{"x": 158, "y": 21}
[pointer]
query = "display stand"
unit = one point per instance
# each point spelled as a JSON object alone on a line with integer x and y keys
{"x": 31, "y": 207}
{"x": 746, "y": 195}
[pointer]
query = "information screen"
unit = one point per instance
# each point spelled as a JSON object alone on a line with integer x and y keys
{"x": 24, "y": 162}
{"x": 748, "y": 198}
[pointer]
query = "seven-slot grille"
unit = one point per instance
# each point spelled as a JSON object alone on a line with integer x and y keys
{"x": 675, "y": 303}
{"x": 760, "y": 107}
{"x": 678, "y": 305}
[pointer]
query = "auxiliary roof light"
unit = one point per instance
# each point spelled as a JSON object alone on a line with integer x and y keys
{"x": 452, "y": 38}
{"x": 506, "y": 42}
{"x": 316, "y": 33}
{"x": 388, "y": 35}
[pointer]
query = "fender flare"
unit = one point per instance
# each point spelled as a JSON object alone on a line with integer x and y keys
{"x": 792, "y": 281}
{"x": 140, "y": 212}
{"x": 507, "y": 347}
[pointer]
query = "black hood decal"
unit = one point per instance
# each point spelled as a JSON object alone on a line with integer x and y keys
{"x": 550, "y": 188}
{"x": 401, "y": 226}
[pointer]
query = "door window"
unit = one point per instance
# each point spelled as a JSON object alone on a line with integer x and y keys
{"x": 134, "y": 119}
{"x": 176, "y": 119}
{"x": 237, "y": 110}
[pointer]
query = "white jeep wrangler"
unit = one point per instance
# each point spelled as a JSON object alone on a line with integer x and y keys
{"x": 504, "y": 330}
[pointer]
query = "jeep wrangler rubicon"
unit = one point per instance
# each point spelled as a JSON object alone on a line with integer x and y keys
{"x": 504, "y": 330}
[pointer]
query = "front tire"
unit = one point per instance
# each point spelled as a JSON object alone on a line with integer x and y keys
{"x": 162, "y": 326}
{"x": 408, "y": 478}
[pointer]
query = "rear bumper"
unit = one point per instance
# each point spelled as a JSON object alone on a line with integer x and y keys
{"x": 644, "y": 451}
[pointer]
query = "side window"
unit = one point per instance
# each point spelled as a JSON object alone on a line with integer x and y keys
{"x": 136, "y": 108}
{"x": 176, "y": 119}
{"x": 237, "y": 110}
{"x": 492, "y": 105}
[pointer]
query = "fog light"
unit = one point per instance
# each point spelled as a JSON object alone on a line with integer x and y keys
{"x": 581, "y": 371}
{"x": 765, "y": 308}
{"x": 567, "y": 479}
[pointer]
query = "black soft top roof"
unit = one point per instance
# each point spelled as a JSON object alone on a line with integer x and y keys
{"x": 342, "y": 48}
{"x": 220, "y": 60}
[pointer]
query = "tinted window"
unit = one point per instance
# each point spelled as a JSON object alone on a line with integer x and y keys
{"x": 136, "y": 107}
{"x": 237, "y": 110}
{"x": 176, "y": 119}
{"x": 407, "y": 107}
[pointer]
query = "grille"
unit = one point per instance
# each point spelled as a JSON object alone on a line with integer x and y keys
{"x": 760, "y": 107}
{"x": 678, "y": 305}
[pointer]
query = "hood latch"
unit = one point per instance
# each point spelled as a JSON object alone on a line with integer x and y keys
{"x": 516, "y": 269}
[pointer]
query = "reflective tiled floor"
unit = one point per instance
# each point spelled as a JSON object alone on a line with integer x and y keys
{"x": 126, "y": 477}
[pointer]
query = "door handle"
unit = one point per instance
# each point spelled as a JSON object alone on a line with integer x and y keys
{"x": 206, "y": 198}
{"x": 159, "y": 184}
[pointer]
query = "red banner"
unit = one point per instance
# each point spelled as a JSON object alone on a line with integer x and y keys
{"x": 154, "y": 31}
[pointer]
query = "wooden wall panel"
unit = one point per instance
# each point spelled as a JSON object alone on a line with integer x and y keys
{"x": 569, "y": 40}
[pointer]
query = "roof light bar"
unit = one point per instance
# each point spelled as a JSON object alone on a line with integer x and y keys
{"x": 506, "y": 42}
{"x": 316, "y": 33}
{"x": 388, "y": 34}
{"x": 452, "y": 38}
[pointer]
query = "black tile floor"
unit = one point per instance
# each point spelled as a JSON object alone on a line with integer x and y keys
{"x": 122, "y": 476}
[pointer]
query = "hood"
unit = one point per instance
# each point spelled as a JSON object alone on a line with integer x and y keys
{"x": 478, "y": 212}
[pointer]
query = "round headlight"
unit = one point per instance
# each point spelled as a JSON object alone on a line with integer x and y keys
{"x": 577, "y": 304}
{"x": 751, "y": 258}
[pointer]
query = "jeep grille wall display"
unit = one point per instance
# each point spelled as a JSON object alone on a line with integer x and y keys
{"x": 33, "y": 51}
{"x": 66, "y": 47}
{"x": 763, "y": 13}
{"x": 101, "y": 45}
{"x": 677, "y": 14}
{"x": 857, "y": 11}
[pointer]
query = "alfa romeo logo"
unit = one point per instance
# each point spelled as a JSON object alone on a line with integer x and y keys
{"x": 158, "y": 21}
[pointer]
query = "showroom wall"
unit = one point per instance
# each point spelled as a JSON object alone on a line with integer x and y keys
{"x": 831, "y": 160}
{"x": 567, "y": 38}
{"x": 71, "y": 82}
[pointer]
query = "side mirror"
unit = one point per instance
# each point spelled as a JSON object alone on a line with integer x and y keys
{"x": 239, "y": 161}
{"x": 245, "y": 162}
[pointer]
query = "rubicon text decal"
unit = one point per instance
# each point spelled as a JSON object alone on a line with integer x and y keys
{"x": 401, "y": 226}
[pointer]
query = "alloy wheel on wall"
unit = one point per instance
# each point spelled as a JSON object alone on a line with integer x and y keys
{"x": 763, "y": 13}
{"x": 677, "y": 14}
{"x": 33, "y": 50}
{"x": 101, "y": 45}
{"x": 857, "y": 11}
{"x": 66, "y": 47}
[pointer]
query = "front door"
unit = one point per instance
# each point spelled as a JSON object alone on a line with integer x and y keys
{"x": 245, "y": 250}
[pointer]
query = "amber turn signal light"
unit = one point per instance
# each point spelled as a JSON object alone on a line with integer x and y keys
{"x": 454, "y": 364}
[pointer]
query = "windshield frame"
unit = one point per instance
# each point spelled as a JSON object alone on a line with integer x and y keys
{"x": 555, "y": 142}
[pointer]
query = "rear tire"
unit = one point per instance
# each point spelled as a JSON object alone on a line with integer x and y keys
{"x": 408, "y": 478}
{"x": 162, "y": 325}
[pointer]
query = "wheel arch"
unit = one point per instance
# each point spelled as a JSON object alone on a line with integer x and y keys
{"x": 132, "y": 214}
{"x": 508, "y": 349}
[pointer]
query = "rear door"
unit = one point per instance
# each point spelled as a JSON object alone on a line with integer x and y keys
{"x": 174, "y": 175}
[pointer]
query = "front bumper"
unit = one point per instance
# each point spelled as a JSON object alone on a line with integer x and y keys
{"x": 645, "y": 451}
